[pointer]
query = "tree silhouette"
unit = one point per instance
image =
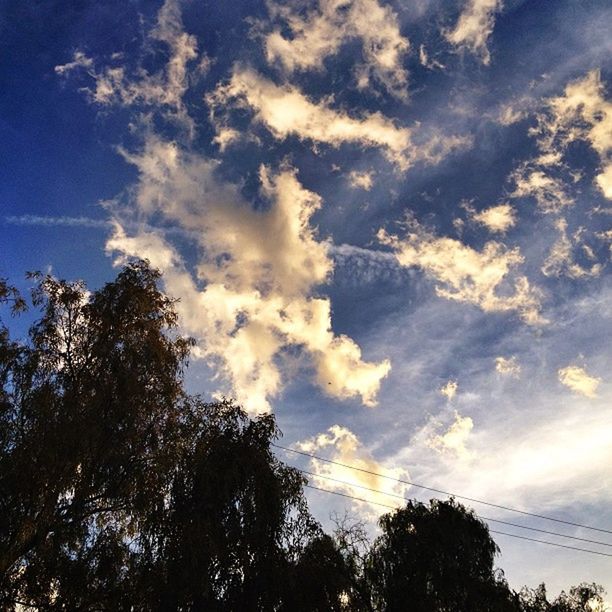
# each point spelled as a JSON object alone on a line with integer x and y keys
{"x": 119, "y": 491}
{"x": 582, "y": 598}
{"x": 436, "y": 557}
{"x": 90, "y": 411}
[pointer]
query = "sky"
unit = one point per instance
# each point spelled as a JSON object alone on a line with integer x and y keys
{"x": 388, "y": 222}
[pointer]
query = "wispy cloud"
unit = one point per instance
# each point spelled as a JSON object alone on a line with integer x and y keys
{"x": 285, "y": 111}
{"x": 39, "y": 220}
{"x": 346, "y": 448}
{"x": 449, "y": 390}
{"x": 474, "y": 27}
{"x": 320, "y": 31}
{"x": 561, "y": 261}
{"x": 361, "y": 180}
{"x": 465, "y": 274}
{"x": 454, "y": 440}
{"x": 164, "y": 89}
{"x": 508, "y": 366}
{"x": 499, "y": 218}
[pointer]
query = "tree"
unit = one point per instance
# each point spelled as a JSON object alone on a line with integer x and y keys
{"x": 582, "y": 598}
{"x": 236, "y": 520}
{"x": 435, "y": 558}
{"x": 88, "y": 419}
{"x": 117, "y": 489}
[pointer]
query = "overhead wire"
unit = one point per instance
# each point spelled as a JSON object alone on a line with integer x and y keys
{"x": 443, "y": 492}
{"x": 585, "y": 550}
{"x": 480, "y": 516}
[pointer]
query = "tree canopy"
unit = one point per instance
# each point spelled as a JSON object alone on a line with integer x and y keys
{"x": 120, "y": 491}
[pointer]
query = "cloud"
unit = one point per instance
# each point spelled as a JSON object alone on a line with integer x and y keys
{"x": 346, "y": 448}
{"x": 508, "y": 366}
{"x": 285, "y": 111}
{"x": 579, "y": 381}
{"x": 580, "y": 113}
{"x": 251, "y": 296}
{"x": 453, "y": 440}
{"x": 560, "y": 260}
{"x": 498, "y": 218}
{"x": 514, "y": 111}
{"x": 318, "y": 32}
{"x": 361, "y": 180}
{"x": 79, "y": 60}
{"x": 474, "y": 27}
{"x": 427, "y": 62}
{"x": 116, "y": 85}
{"x": 535, "y": 467}
{"x": 449, "y": 390}
{"x": 604, "y": 181}
{"x": 359, "y": 266}
{"x": 57, "y": 221}
{"x": 468, "y": 275}
{"x": 549, "y": 192}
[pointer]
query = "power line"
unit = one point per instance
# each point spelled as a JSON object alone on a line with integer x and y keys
{"x": 442, "y": 492}
{"x": 480, "y": 516}
{"x": 586, "y": 550}
{"x": 514, "y": 535}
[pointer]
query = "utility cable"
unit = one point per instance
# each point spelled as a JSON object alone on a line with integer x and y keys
{"x": 586, "y": 550}
{"x": 442, "y": 492}
{"x": 480, "y": 516}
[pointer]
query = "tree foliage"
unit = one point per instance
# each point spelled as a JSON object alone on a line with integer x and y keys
{"x": 435, "y": 558}
{"x": 119, "y": 491}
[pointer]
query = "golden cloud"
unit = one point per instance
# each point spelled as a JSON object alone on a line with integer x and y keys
{"x": 320, "y": 32}
{"x": 252, "y": 293}
{"x": 579, "y": 381}
{"x": 465, "y": 274}
{"x": 346, "y": 448}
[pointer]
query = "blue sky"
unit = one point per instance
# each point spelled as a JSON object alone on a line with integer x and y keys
{"x": 387, "y": 222}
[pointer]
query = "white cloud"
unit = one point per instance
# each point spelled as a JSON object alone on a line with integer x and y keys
{"x": 57, "y": 221}
{"x": 513, "y": 111}
{"x": 361, "y": 180}
{"x": 347, "y": 449}
{"x": 427, "y": 62}
{"x": 580, "y": 113}
{"x": 468, "y": 275}
{"x": 579, "y": 381}
{"x": 550, "y": 193}
{"x": 474, "y": 27}
{"x": 317, "y": 32}
{"x": 604, "y": 181}
{"x": 535, "y": 467}
{"x": 165, "y": 88}
{"x": 508, "y": 366}
{"x": 285, "y": 111}
{"x": 79, "y": 60}
{"x": 498, "y": 218}
{"x": 454, "y": 440}
{"x": 449, "y": 390}
{"x": 560, "y": 260}
{"x": 252, "y": 295}
{"x": 366, "y": 266}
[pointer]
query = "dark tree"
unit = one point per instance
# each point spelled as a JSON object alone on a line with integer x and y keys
{"x": 90, "y": 407}
{"x": 118, "y": 491}
{"x": 435, "y": 558}
{"x": 582, "y": 598}
{"x": 236, "y": 519}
